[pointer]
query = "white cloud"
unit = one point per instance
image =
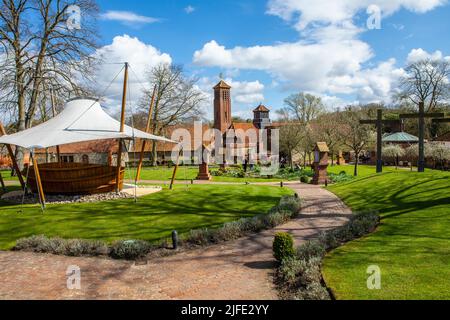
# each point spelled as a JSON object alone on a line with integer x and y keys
{"x": 329, "y": 59}
{"x": 306, "y": 12}
{"x": 420, "y": 54}
{"x": 139, "y": 55}
{"x": 127, "y": 17}
{"x": 189, "y": 9}
{"x": 299, "y": 65}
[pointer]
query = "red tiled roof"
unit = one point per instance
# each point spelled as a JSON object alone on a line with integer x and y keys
{"x": 222, "y": 84}
{"x": 261, "y": 108}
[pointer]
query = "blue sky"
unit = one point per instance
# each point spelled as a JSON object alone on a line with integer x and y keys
{"x": 268, "y": 49}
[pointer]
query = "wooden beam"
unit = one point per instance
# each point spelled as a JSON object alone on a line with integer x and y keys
{"x": 424, "y": 115}
{"x": 447, "y": 120}
{"x": 172, "y": 181}
{"x": 122, "y": 128}
{"x": 13, "y": 159}
{"x": 38, "y": 181}
{"x": 144, "y": 142}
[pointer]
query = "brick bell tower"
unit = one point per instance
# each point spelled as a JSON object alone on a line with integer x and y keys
{"x": 222, "y": 106}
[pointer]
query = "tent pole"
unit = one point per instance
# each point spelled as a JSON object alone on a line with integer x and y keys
{"x": 144, "y": 142}
{"x": 172, "y": 181}
{"x": 13, "y": 159}
{"x": 38, "y": 181}
{"x": 52, "y": 99}
{"x": 122, "y": 128}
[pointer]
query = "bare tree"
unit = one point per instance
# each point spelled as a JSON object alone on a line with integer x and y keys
{"x": 177, "y": 99}
{"x": 354, "y": 135}
{"x": 45, "y": 54}
{"x": 426, "y": 81}
{"x": 304, "y": 107}
{"x": 291, "y": 138}
{"x": 327, "y": 129}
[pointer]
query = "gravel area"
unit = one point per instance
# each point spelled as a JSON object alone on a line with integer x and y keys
{"x": 17, "y": 198}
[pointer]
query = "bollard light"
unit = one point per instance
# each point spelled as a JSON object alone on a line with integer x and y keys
{"x": 174, "y": 240}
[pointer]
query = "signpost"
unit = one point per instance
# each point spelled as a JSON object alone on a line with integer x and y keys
{"x": 379, "y": 123}
{"x": 421, "y": 116}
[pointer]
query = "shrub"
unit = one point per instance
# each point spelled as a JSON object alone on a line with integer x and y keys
{"x": 58, "y": 246}
{"x": 290, "y": 203}
{"x": 310, "y": 250}
{"x": 129, "y": 249}
{"x": 305, "y": 179}
{"x": 277, "y": 218}
{"x": 229, "y": 231}
{"x": 199, "y": 237}
{"x": 283, "y": 246}
{"x": 301, "y": 279}
{"x": 314, "y": 291}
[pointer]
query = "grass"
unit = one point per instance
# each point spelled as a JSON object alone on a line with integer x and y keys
{"x": 154, "y": 217}
{"x": 6, "y": 175}
{"x": 190, "y": 173}
{"x": 412, "y": 245}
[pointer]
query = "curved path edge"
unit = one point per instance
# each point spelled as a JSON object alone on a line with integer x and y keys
{"x": 237, "y": 270}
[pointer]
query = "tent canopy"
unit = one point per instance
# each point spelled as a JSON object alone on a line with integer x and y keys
{"x": 81, "y": 120}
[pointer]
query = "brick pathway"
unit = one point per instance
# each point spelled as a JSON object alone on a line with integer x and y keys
{"x": 240, "y": 269}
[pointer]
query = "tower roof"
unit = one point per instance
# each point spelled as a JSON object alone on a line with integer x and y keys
{"x": 222, "y": 85}
{"x": 261, "y": 108}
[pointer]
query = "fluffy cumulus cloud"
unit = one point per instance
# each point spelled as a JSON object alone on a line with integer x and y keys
{"x": 329, "y": 58}
{"x": 420, "y": 54}
{"x": 305, "y": 12}
{"x": 141, "y": 57}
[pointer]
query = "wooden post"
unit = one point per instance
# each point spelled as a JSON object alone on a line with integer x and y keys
{"x": 176, "y": 168}
{"x": 13, "y": 159}
{"x": 421, "y": 164}
{"x": 421, "y": 116}
{"x": 38, "y": 180}
{"x": 379, "y": 140}
{"x": 144, "y": 142}
{"x": 122, "y": 128}
{"x": 379, "y": 122}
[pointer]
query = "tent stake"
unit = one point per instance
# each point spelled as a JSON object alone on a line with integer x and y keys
{"x": 144, "y": 142}
{"x": 13, "y": 158}
{"x": 122, "y": 128}
{"x": 38, "y": 181}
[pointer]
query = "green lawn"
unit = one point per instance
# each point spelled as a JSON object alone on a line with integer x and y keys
{"x": 412, "y": 246}
{"x": 6, "y": 175}
{"x": 152, "y": 218}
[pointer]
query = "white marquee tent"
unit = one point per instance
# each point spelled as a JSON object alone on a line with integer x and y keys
{"x": 81, "y": 120}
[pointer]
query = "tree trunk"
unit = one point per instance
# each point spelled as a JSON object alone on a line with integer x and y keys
{"x": 356, "y": 164}
{"x": 154, "y": 154}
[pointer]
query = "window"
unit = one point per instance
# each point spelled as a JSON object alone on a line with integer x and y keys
{"x": 67, "y": 159}
{"x": 85, "y": 159}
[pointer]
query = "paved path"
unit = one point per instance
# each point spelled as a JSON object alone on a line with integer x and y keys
{"x": 240, "y": 269}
